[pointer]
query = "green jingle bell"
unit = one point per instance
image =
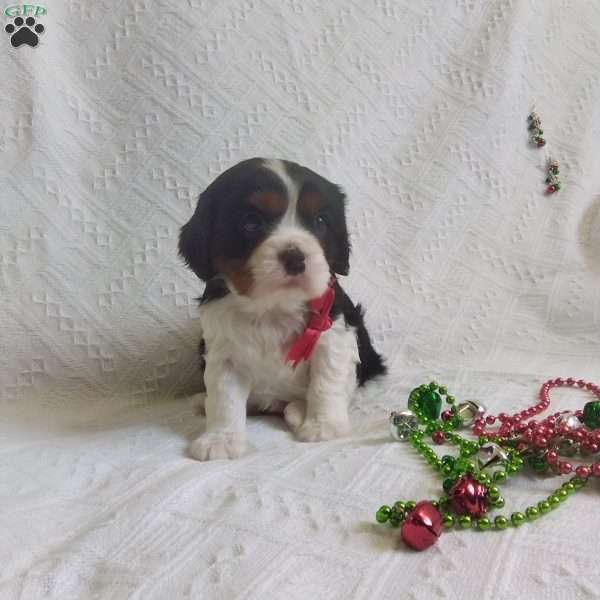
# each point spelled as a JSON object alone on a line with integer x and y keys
{"x": 430, "y": 404}
{"x": 591, "y": 414}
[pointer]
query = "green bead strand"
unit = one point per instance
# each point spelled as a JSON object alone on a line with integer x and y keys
{"x": 498, "y": 503}
{"x": 464, "y": 521}
{"x": 447, "y": 469}
{"x": 499, "y": 476}
{"x": 517, "y": 519}
{"x": 383, "y": 514}
{"x": 554, "y": 501}
{"x": 448, "y": 521}
{"x": 448, "y": 483}
{"x": 395, "y": 520}
{"x": 512, "y": 469}
{"x": 544, "y": 506}
{"x": 493, "y": 493}
{"x": 483, "y": 478}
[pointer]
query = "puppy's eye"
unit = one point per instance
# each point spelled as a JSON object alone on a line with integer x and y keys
{"x": 321, "y": 223}
{"x": 252, "y": 223}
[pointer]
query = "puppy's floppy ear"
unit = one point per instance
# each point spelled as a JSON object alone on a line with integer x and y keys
{"x": 341, "y": 265}
{"x": 195, "y": 239}
{"x": 341, "y": 255}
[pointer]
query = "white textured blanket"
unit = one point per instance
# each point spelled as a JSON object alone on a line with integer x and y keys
{"x": 111, "y": 126}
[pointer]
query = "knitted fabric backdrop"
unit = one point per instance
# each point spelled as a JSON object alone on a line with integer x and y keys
{"x": 109, "y": 129}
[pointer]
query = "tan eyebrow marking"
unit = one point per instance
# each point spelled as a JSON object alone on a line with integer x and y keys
{"x": 311, "y": 202}
{"x": 269, "y": 202}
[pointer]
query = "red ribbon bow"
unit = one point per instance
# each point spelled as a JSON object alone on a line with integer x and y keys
{"x": 319, "y": 322}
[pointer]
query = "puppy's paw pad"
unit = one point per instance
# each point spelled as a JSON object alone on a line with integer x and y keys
{"x": 320, "y": 431}
{"x": 213, "y": 446}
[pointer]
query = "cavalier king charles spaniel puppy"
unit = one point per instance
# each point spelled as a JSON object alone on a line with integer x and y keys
{"x": 280, "y": 335}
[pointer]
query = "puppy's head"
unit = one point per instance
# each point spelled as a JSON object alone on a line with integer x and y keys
{"x": 270, "y": 227}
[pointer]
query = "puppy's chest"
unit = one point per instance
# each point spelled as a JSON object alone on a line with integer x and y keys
{"x": 250, "y": 341}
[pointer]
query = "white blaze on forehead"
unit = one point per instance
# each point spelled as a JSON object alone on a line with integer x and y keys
{"x": 278, "y": 167}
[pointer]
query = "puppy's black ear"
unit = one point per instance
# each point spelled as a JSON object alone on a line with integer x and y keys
{"x": 195, "y": 239}
{"x": 341, "y": 265}
{"x": 341, "y": 255}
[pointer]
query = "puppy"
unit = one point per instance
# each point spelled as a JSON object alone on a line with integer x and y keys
{"x": 280, "y": 335}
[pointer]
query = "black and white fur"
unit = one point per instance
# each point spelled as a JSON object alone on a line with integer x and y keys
{"x": 266, "y": 237}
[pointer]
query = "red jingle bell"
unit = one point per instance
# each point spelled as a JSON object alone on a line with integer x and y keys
{"x": 422, "y": 527}
{"x": 468, "y": 497}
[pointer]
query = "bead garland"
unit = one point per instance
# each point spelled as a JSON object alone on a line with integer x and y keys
{"x": 472, "y": 487}
{"x": 563, "y": 432}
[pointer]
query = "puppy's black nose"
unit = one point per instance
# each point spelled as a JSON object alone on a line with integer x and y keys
{"x": 292, "y": 260}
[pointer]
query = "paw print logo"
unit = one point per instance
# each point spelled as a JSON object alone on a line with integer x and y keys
{"x": 24, "y": 32}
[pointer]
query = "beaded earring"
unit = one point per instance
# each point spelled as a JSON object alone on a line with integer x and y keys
{"x": 552, "y": 179}
{"x": 535, "y": 129}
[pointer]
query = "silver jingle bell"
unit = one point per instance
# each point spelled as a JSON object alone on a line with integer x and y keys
{"x": 566, "y": 447}
{"x": 469, "y": 411}
{"x": 491, "y": 455}
{"x": 402, "y": 424}
{"x": 570, "y": 420}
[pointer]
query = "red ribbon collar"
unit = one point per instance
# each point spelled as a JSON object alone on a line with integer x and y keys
{"x": 319, "y": 322}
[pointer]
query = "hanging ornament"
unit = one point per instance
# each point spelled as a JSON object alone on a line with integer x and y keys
{"x": 552, "y": 178}
{"x": 535, "y": 130}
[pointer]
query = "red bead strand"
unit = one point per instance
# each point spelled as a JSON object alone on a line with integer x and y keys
{"x": 543, "y": 434}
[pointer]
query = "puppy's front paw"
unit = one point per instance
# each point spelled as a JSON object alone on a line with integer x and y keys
{"x": 214, "y": 445}
{"x": 198, "y": 401}
{"x": 319, "y": 431}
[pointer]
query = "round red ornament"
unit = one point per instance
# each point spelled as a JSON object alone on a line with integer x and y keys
{"x": 422, "y": 527}
{"x": 468, "y": 497}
